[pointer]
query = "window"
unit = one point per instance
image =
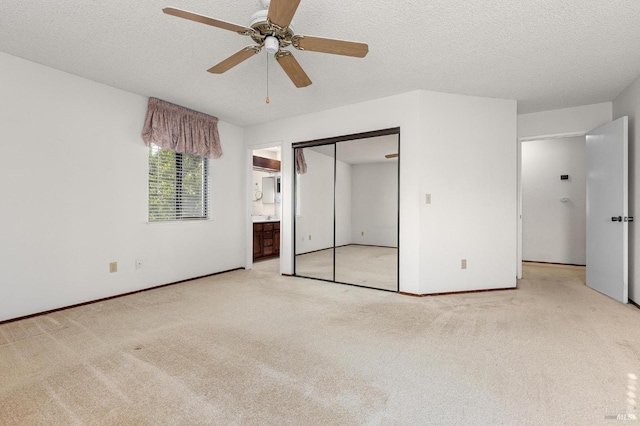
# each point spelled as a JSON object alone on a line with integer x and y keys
{"x": 177, "y": 185}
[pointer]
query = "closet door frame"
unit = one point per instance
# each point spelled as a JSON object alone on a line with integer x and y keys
{"x": 334, "y": 141}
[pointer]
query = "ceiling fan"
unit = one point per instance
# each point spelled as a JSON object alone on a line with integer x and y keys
{"x": 271, "y": 29}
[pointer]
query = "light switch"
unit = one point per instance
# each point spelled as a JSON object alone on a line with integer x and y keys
{"x": 427, "y": 198}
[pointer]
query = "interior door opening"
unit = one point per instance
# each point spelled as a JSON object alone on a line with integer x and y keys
{"x": 607, "y": 215}
{"x": 554, "y": 201}
{"x": 266, "y": 210}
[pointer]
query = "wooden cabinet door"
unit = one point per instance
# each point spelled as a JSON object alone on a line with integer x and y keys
{"x": 257, "y": 240}
{"x": 266, "y": 240}
{"x": 257, "y": 244}
{"x": 267, "y": 243}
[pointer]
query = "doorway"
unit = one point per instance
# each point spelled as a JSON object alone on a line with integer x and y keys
{"x": 266, "y": 210}
{"x": 607, "y": 220}
{"x": 554, "y": 200}
{"x": 346, "y": 223}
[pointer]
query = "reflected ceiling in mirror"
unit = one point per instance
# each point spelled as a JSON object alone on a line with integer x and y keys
{"x": 363, "y": 151}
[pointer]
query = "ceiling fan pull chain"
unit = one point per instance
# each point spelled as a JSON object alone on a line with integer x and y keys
{"x": 267, "y": 55}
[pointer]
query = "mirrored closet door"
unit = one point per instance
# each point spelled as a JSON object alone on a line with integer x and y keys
{"x": 346, "y": 221}
{"x": 314, "y": 214}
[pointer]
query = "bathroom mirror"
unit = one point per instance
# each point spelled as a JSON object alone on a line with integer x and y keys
{"x": 268, "y": 190}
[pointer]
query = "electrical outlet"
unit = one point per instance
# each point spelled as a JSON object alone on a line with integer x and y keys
{"x": 427, "y": 198}
{"x": 138, "y": 263}
{"x": 113, "y": 267}
{"x": 463, "y": 264}
{"x": 362, "y": 233}
{"x": 309, "y": 237}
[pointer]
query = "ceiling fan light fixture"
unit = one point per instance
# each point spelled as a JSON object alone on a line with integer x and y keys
{"x": 271, "y": 44}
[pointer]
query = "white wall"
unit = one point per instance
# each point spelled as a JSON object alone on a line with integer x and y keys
{"x": 73, "y": 185}
{"x": 576, "y": 120}
{"x": 628, "y": 103}
{"x": 460, "y": 149}
{"x": 375, "y": 204}
{"x": 468, "y": 165}
{"x": 554, "y": 231}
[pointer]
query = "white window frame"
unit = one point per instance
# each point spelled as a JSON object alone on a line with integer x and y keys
{"x": 177, "y": 209}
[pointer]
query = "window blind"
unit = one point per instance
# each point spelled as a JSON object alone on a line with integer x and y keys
{"x": 178, "y": 185}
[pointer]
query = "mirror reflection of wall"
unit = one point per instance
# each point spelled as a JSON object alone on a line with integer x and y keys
{"x": 355, "y": 239}
{"x": 370, "y": 256}
{"x": 314, "y": 224}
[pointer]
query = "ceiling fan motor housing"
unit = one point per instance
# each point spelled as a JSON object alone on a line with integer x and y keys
{"x": 258, "y": 18}
{"x": 264, "y": 28}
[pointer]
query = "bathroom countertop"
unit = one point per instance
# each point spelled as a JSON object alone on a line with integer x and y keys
{"x": 263, "y": 219}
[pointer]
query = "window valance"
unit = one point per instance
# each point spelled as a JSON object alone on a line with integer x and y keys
{"x": 181, "y": 129}
{"x": 301, "y": 164}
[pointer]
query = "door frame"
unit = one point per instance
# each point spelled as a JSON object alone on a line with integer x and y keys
{"x": 519, "y": 185}
{"x": 334, "y": 140}
{"x": 249, "y": 197}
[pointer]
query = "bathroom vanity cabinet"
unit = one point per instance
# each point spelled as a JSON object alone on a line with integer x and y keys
{"x": 266, "y": 240}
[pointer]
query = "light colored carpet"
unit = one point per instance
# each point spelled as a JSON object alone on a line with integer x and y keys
{"x": 252, "y": 347}
{"x": 367, "y": 266}
{"x": 271, "y": 265}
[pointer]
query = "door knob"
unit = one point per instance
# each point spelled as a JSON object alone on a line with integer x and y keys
{"x": 616, "y": 219}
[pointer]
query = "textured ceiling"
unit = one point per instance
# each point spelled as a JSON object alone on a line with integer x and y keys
{"x": 546, "y": 54}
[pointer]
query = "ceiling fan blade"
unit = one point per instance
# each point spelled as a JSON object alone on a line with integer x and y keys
{"x": 207, "y": 20}
{"x": 293, "y": 69}
{"x": 234, "y": 59}
{"x": 329, "y": 45}
{"x": 281, "y": 12}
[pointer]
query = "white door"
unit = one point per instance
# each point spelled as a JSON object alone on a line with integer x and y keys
{"x": 607, "y": 214}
